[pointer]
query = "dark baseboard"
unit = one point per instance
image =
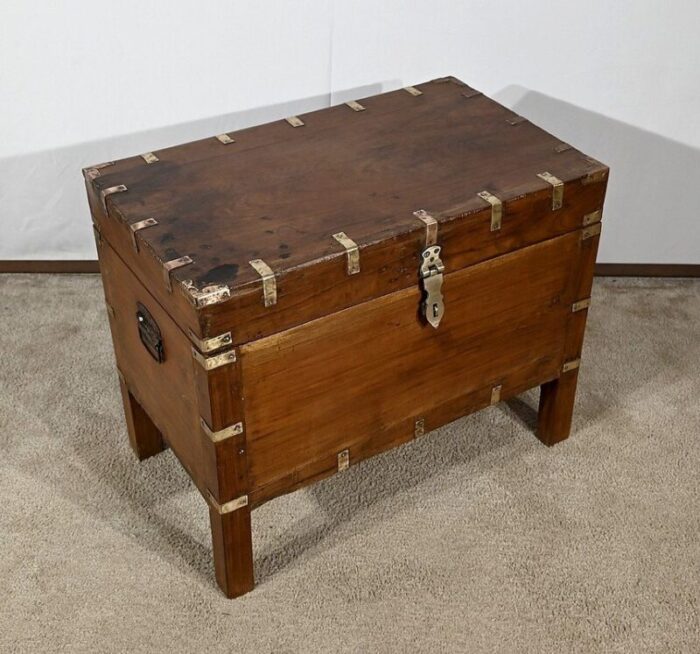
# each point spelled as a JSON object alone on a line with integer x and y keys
{"x": 647, "y": 270}
{"x": 50, "y": 266}
{"x": 601, "y": 269}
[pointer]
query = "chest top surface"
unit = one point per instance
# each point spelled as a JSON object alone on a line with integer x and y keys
{"x": 278, "y": 193}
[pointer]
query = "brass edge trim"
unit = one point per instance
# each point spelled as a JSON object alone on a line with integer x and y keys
{"x": 581, "y": 305}
{"x": 352, "y": 250}
{"x": 135, "y": 227}
{"x": 496, "y": 209}
{"x": 419, "y": 428}
{"x": 594, "y": 217}
{"x": 268, "y": 281}
{"x": 516, "y": 120}
{"x": 343, "y": 460}
{"x": 171, "y": 265}
{"x": 227, "y": 507}
{"x": 557, "y": 189}
{"x": 295, "y": 121}
{"x": 120, "y": 188}
{"x": 149, "y": 157}
{"x": 571, "y": 365}
{"x": 431, "y": 226}
{"x": 212, "y": 294}
{"x": 413, "y": 90}
{"x": 212, "y": 344}
{"x": 221, "y": 435}
{"x": 496, "y": 394}
{"x": 93, "y": 172}
{"x": 591, "y": 231}
{"x": 225, "y": 139}
{"x": 355, "y": 106}
{"x": 97, "y": 234}
{"x": 216, "y": 361}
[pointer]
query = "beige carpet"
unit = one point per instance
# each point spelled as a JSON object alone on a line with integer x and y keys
{"x": 476, "y": 538}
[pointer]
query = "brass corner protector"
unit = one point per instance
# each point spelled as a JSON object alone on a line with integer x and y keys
{"x": 92, "y": 172}
{"x": 352, "y": 250}
{"x": 268, "y": 281}
{"x": 343, "y": 460}
{"x": 171, "y": 265}
{"x": 225, "y": 139}
{"x": 571, "y": 365}
{"x": 221, "y": 435}
{"x": 208, "y": 295}
{"x": 557, "y": 189}
{"x": 142, "y": 224}
{"x": 149, "y": 157}
{"x": 496, "y": 394}
{"x": 215, "y": 361}
{"x": 227, "y": 507}
{"x": 295, "y": 121}
{"x": 496, "y": 209}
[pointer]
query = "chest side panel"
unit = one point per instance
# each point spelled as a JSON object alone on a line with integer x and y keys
{"x": 361, "y": 378}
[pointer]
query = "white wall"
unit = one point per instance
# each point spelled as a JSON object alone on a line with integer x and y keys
{"x": 88, "y": 81}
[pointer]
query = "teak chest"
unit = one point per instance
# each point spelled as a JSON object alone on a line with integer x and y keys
{"x": 290, "y": 299}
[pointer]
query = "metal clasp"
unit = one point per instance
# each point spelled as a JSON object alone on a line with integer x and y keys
{"x": 431, "y": 269}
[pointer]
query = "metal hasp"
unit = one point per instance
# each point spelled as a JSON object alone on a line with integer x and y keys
{"x": 268, "y": 281}
{"x": 431, "y": 270}
{"x": 353, "y": 252}
{"x": 557, "y": 189}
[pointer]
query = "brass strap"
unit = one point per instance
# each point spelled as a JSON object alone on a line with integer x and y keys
{"x": 225, "y": 139}
{"x": 110, "y": 191}
{"x": 149, "y": 157}
{"x": 343, "y": 460}
{"x": 169, "y": 266}
{"x": 591, "y": 218}
{"x": 496, "y": 394}
{"x": 216, "y": 361}
{"x": 228, "y": 507}
{"x": 221, "y": 435}
{"x": 589, "y": 232}
{"x": 94, "y": 171}
{"x": 355, "y": 106}
{"x": 295, "y": 121}
{"x": 207, "y": 345}
{"x": 571, "y": 365}
{"x": 581, "y": 305}
{"x": 557, "y": 189}
{"x": 352, "y": 250}
{"x": 431, "y": 226}
{"x": 496, "y": 209}
{"x": 135, "y": 227}
{"x": 413, "y": 90}
{"x": 268, "y": 281}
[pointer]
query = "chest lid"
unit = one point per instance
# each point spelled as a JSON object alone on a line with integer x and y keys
{"x": 259, "y": 230}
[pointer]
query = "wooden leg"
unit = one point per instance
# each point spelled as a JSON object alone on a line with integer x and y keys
{"x": 233, "y": 550}
{"x": 556, "y": 408}
{"x": 145, "y": 438}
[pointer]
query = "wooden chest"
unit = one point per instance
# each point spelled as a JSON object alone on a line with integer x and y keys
{"x": 292, "y": 298}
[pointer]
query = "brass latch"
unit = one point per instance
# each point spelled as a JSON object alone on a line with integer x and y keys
{"x": 431, "y": 269}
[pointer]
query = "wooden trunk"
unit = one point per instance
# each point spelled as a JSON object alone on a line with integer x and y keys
{"x": 292, "y": 298}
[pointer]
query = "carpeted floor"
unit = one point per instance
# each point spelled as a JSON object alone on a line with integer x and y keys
{"x": 476, "y": 538}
